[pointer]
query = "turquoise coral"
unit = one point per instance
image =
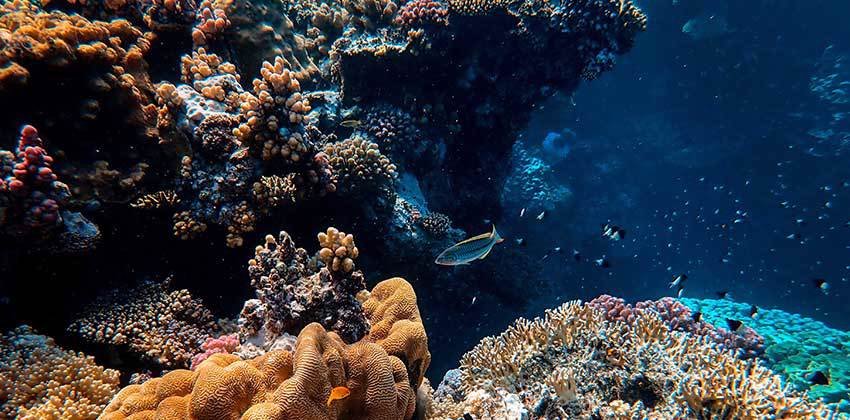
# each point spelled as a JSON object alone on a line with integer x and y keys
{"x": 795, "y": 346}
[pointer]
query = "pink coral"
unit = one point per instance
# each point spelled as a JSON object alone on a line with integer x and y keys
{"x": 223, "y": 344}
{"x": 679, "y": 317}
{"x": 422, "y": 12}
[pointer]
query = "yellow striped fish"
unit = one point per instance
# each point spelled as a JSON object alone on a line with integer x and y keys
{"x": 475, "y": 248}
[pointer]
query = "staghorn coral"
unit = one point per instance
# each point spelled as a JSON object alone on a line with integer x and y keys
{"x": 748, "y": 344}
{"x": 633, "y": 368}
{"x": 423, "y": 12}
{"x": 149, "y": 321}
{"x": 360, "y": 165}
{"x": 292, "y": 291}
{"x": 157, "y": 200}
{"x": 282, "y": 384}
{"x": 40, "y": 380}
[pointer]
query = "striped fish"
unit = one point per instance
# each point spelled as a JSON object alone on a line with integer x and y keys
{"x": 475, "y": 248}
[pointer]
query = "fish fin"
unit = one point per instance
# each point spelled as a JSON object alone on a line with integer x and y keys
{"x": 498, "y": 238}
{"x": 474, "y": 238}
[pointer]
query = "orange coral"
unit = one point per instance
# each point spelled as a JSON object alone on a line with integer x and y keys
{"x": 282, "y": 385}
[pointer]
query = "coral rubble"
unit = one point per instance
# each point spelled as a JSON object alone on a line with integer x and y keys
{"x": 382, "y": 371}
{"x": 156, "y": 324}
{"x": 574, "y": 363}
{"x": 40, "y": 380}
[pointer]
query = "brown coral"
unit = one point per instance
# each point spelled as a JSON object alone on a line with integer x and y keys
{"x": 338, "y": 250}
{"x": 282, "y": 385}
{"x": 359, "y": 164}
{"x": 39, "y": 380}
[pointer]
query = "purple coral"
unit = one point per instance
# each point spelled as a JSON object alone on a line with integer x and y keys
{"x": 679, "y": 317}
{"x": 213, "y": 345}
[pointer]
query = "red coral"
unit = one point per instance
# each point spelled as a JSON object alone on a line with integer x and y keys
{"x": 422, "y": 12}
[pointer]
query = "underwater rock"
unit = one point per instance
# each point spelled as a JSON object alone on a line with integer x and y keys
{"x": 531, "y": 184}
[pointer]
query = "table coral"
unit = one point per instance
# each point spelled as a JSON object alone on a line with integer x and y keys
{"x": 638, "y": 368}
{"x": 40, "y": 380}
{"x": 150, "y": 321}
{"x": 282, "y": 384}
{"x": 294, "y": 289}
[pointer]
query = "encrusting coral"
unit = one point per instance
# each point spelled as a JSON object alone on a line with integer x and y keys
{"x": 295, "y": 385}
{"x": 40, "y": 380}
{"x": 636, "y": 368}
{"x": 294, "y": 289}
{"x": 158, "y": 325}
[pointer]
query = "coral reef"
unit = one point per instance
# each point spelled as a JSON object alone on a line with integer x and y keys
{"x": 282, "y": 384}
{"x": 795, "y": 346}
{"x": 531, "y": 183}
{"x": 215, "y": 345}
{"x": 294, "y": 289}
{"x": 360, "y": 165}
{"x": 573, "y": 363}
{"x": 746, "y": 344}
{"x": 40, "y": 380}
{"x": 32, "y": 200}
{"x": 149, "y": 321}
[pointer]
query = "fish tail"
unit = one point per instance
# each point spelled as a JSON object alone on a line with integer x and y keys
{"x": 496, "y": 237}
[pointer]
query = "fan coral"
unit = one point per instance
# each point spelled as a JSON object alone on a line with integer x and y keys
{"x": 638, "y": 368}
{"x": 360, "y": 165}
{"x": 39, "y": 380}
{"x": 155, "y": 324}
{"x": 677, "y": 316}
{"x": 280, "y": 384}
{"x": 292, "y": 291}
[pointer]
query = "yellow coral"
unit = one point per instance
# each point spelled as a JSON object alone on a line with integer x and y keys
{"x": 281, "y": 385}
{"x": 338, "y": 251}
{"x": 39, "y": 380}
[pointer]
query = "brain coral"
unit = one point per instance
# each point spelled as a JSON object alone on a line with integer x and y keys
{"x": 39, "y": 380}
{"x": 573, "y": 363}
{"x": 283, "y": 385}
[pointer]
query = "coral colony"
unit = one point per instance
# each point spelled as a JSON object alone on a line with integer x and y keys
{"x": 218, "y": 116}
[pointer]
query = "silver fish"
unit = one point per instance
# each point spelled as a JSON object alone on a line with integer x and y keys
{"x": 475, "y": 248}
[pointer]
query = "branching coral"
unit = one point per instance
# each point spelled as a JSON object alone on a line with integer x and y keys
{"x": 747, "y": 344}
{"x": 637, "y": 367}
{"x": 292, "y": 291}
{"x": 280, "y": 384}
{"x": 436, "y": 223}
{"x": 40, "y": 380}
{"x": 162, "y": 326}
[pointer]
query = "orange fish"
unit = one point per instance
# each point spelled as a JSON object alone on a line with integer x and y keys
{"x": 338, "y": 393}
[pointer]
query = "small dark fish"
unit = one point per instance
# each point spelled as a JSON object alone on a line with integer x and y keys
{"x": 822, "y": 285}
{"x": 542, "y": 215}
{"x": 754, "y": 311}
{"x": 677, "y": 280}
{"x": 603, "y": 263}
{"x": 723, "y": 294}
{"x": 735, "y": 325}
{"x": 696, "y": 316}
{"x": 818, "y": 378}
{"x": 801, "y": 222}
{"x": 612, "y": 232}
{"x": 520, "y": 241}
{"x": 577, "y": 256}
{"x": 795, "y": 236}
{"x": 350, "y": 123}
{"x": 557, "y": 250}
{"x": 681, "y": 291}
{"x": 467, "y": 416}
